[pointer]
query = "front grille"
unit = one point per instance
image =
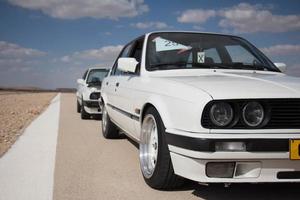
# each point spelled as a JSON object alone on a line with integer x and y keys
{"x": 283, "y": 114}
{"x": 91, "y": 104}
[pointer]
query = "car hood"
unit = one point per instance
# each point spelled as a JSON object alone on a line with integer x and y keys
{"x": 246, "y": 84}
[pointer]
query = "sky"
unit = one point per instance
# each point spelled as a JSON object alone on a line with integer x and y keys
{"x": 50, "y": 43}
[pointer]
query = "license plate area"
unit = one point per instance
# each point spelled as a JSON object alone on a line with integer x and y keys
{"x": 295, "y": 149}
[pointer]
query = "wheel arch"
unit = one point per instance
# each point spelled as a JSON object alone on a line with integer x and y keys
{"x": 160, "y": 108}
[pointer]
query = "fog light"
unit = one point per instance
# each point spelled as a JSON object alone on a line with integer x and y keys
{"x": 230, "y": 146}
{"x": 220, "y": 169}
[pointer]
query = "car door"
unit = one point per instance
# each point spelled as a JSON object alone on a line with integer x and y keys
{"x": 112, "y": 92}
{"x": 125, "y": 93}
{"x": 81, "y": 86}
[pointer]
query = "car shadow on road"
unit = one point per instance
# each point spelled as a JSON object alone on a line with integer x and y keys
{"x": 286, "y": 191}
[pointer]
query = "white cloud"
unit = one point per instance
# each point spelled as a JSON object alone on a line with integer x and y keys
{"x": 103, "y": 55}
{"x": 198, "y": 16}
{"x": 10, "y": 50}
{"x": 246, "y": 18}
{"x": 150, "y": 25}
{"x": 282, "y": 49}
{"x": 73, "y": 9}
{"x": 13, "y": 56}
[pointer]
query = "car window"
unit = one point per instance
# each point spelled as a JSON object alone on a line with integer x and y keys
{"x": 96, "y": 75}
{"x": 212, "y": 56}
{"x": 125, "y": 53}
{"x": 239, "y": 54}
{"x": 171, "y": 51}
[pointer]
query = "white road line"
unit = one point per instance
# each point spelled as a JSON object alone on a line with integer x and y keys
{"x": 27, "y": 169}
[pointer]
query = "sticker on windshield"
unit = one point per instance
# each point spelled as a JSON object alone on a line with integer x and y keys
{"x": 167, "y": 45}
{"x": 201, "y": 57}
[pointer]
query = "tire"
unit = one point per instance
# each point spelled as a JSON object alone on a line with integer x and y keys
{"x": 78, "y": 107}
{"x": 162, "y": 177}
{"x": 84, "y": 114}
{"x": 109, "y": 129}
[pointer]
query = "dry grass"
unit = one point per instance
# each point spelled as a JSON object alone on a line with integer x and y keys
{"x": 17, "y": 110}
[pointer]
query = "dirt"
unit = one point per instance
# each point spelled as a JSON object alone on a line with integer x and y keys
{"x": 17, "y": 110}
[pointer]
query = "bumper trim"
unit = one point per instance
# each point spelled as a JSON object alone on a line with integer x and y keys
{"x": 91, "y": 104}
{"x": 208, "y": 145}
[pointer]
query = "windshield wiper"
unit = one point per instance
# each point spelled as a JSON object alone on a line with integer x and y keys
{"x": 249, "y": 66}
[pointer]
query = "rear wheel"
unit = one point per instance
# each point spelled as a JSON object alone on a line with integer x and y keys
{"x": 109, "y": 129}
{"x": 155, "y": 160}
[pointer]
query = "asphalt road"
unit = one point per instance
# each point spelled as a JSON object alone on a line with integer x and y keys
{"x": 91, "y": 167}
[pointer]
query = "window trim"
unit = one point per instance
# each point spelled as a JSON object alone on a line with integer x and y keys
{"x": 133, "y": 43}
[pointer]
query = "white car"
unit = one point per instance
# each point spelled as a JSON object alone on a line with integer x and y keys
{"x": 206, "y": 107}
{"x": 88, "y": 92}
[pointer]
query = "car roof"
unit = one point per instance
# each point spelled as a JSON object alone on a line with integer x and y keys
{"x": 177, "y": 31}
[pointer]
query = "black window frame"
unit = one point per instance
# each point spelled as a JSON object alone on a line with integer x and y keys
{"x": 251, "y": 48}
{"x": 129, "y": 55}
{"x": 85, "y": 74}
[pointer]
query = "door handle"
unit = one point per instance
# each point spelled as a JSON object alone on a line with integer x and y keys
{"x": 117, "y": 84}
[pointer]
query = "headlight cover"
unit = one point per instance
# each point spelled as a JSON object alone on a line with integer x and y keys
{"x": 253, "y": 114}
{"x": 95, "y": 95}
{"x": 221, "y": 114}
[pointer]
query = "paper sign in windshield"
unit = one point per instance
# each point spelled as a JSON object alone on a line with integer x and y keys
{"x": 167, "y": 45}
{"x": 201, "y": 57}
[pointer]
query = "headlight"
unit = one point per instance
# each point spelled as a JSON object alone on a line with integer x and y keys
{"x": 95, "y": 95}
{"x": 253, "y": 114}
{"x": 221, "y": 114}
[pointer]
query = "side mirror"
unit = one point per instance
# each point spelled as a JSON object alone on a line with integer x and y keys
{"x": 80, "y": 81}
{"x": 127, "y": 64}
{"x": 281, "y": 66}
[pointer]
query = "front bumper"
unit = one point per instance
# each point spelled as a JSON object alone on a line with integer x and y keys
{"x": 265, "y": 159}
{"x": 92, "y": 107}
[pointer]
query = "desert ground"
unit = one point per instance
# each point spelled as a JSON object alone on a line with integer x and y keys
{"x": 17, "y": 110}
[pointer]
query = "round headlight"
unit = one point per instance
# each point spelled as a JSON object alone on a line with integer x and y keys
{"x": 253, "y": 114}
{"x": 221, "y": 114}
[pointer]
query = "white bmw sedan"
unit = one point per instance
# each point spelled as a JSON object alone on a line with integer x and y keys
{"x": 88, "y": 92}
{"x": 206, "y": 107}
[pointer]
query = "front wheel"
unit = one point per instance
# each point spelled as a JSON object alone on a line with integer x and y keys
{"x": 84, "y": 114}
{"x": 109, "y": 129}
{"x": 78, "y": 107}
{"x": 155, "y": 160}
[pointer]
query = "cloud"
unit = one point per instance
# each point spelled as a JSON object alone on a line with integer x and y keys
{"x": 246, "y": 18}
{"x": 198, "y": 16}
{"x": 106, "y": 54}
{"x": 74, "y": 9}
{"x": 14, "y": 56}
{"x": 150, "y": 25}
{"x": 282, "y": 49}
{"x": 10, "y": 50}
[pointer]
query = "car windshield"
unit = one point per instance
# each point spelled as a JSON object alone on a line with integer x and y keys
{"x": 97, "y": 75}
{"x": 200, "y": 50}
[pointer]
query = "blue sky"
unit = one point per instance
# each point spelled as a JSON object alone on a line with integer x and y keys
{"x": 50, "y": 43}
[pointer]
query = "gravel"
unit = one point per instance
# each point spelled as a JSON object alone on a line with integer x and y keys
{"x": 17, "y": 110}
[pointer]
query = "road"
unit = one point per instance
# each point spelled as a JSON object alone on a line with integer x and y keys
{"x": 91, "y": 167}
